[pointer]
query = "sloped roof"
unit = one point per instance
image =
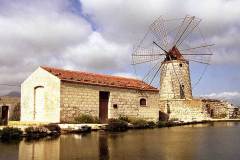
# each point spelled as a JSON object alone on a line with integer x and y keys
{"x": 99, "y": 79}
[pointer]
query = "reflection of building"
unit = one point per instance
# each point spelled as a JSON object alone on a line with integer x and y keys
{"x": 42, "y": 150}
{"x": 91, "y": 146}
{"x": 9, "y": 109}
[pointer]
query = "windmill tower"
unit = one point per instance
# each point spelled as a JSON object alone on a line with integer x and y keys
{"x": 167, "y": 50}
{"x": 175, "y": 82}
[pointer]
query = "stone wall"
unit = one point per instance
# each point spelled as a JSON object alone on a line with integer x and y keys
{"x": 51, "y": 85}
{"x": 184, "y": 110}
{"x": 169, "y": 82}
{"x": 79, "y": 99}
{"x": 217, "y": 108}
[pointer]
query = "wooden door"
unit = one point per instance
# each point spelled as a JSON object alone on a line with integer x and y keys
{"x": 39, "y": 104}
{"x": 103, "y": 106}
{"x": 5, "y": 115}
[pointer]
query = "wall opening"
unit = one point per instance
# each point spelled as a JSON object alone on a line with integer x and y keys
{"x": 103, "y": 106}
{"x": 4, "y": 119}
{"x": 182, "y": 94}
{"x": 143, "y": 102}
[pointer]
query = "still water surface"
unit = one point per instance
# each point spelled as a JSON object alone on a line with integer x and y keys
{"x": 216, "y": 141}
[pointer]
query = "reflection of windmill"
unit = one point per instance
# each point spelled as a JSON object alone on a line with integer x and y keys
{"x": 168, "y": 47}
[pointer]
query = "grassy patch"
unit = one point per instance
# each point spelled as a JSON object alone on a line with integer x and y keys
{"x": 10, "y": 133}
{"x": 117, "y": 125}
{"x": 85, "y": 118}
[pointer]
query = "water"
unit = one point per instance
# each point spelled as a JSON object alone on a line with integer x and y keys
{"x": 216, "y": 141}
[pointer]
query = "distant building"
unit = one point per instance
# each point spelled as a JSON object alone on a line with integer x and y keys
{"x": 9, "y": 109}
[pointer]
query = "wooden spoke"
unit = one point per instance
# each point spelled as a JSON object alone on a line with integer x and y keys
{"x": 207, "y": 45}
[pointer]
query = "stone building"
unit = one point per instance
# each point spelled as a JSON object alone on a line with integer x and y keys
{"x": 220, "y": 109}
{"x": 57, "y": 95}
{"x": 9, "y": 109}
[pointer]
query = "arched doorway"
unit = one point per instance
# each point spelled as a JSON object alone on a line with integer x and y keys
{"x": 39, "y": 102}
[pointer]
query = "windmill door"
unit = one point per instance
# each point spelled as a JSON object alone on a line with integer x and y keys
{"x": 103, "y": 106}
{"x": 39, "y": 104}
{"x": 5, "y": 115}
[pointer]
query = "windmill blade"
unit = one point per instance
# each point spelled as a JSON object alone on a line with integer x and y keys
{"x": 142, "y": 55}
{"x": 198, "y": 47}
{"x": 187, "y": 26}
{"x": 154, "y": 76}
{"x": 194, "y": 54}
{"x": 198, "y": 61}
{"x": 158, "y": 29}
{"x": 148, "y": 77}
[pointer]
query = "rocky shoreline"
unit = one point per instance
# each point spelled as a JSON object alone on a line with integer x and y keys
{"x": 18, "y": 132}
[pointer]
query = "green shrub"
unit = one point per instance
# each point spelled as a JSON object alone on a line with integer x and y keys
{"x": 124, "y": 118}
{"x": 151, "y": 124}
{"x": 161, "y": 124}
{"x": 223, "y": 115}
{"x": 85, "y": 118}
{"x": 36, "y": 132}
{"x": 0, "y": 133}
{"x": 171, "y": 124}
{"x": 10, "y": 133}
{"x": 53, "y": 127}
{"x": 139, "y": 123}
{"x": 116, "y": 125}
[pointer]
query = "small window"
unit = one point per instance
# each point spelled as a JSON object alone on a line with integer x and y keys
{"x": 115, "y": 106}
{"x": 143, "y": 102}
{"x": 180, "y": 65}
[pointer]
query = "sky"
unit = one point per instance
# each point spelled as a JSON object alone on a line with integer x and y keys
{"x": 98, "y": 36}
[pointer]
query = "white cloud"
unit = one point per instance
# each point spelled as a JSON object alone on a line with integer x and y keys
{"x": 234, "y": 97}
{"x": 127, "y": 75}
{"x": 98, "y": 54}
{"x": 127, "y": 21}
{"x": 43, "y": 32}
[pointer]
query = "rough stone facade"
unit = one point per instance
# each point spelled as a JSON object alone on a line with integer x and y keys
{"x": 219, "y": 109}
{"x": 79, "y": 99}
{"x": 13, "y": 104}
{"x": 184, "y": 110}
{"x": 169, "y": 82}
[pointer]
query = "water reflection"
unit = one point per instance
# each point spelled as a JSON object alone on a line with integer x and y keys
{"x": 103, "y": 146}
{"x": 39, "y": 150}
{"x": 209, "y": 141}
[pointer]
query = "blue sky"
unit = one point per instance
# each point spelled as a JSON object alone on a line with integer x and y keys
{"x": 98, "y": 36}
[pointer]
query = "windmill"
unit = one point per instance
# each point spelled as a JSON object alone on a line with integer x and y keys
{"x": 167, "y": 50}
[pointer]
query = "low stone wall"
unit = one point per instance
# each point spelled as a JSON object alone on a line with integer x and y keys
{"x": 219, "y": 109}
{"x": 185, "y": 110}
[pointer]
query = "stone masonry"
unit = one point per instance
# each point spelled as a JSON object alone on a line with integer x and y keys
{"x": 172, "y": 73}
{"x": 79, "y": 99}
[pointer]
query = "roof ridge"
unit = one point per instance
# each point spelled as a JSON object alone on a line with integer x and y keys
{"x": 98, "y": 74}
{"x": 98, "y": 79}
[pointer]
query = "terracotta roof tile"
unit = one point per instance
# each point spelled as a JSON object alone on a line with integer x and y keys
{"x": 99, "y": 79}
